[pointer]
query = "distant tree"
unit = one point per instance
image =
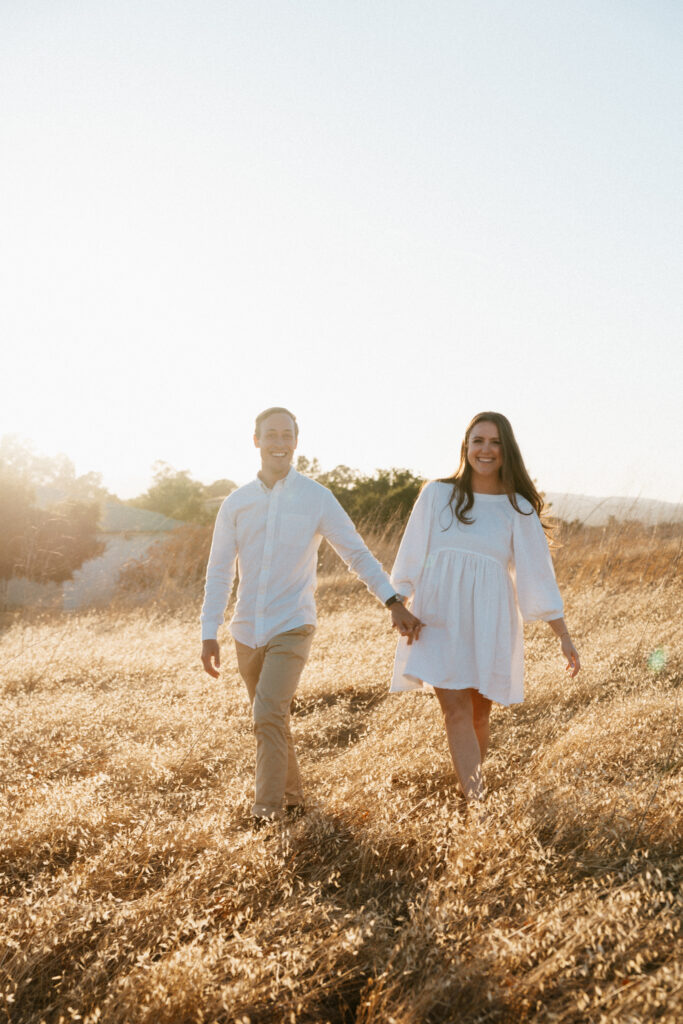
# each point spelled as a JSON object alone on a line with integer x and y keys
{"x": 175, "y": 494}
{"x": 389, "y": 494}
{"x": 219, "y": 488}
{"x": 310, "y": 467}
{"x": 52, "y": 478}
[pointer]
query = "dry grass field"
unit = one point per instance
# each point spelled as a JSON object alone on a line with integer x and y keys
{"x": 134, "y": 890}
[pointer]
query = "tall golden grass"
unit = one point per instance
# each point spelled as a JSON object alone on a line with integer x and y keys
{"x": 134, "y": 889}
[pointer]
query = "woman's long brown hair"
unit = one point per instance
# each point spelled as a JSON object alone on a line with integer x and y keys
{"x": 513, "y": 473}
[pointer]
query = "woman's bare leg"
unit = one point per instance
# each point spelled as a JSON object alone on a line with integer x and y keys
{"x": 481, "y": 709}
{"x": 463, "y": 742}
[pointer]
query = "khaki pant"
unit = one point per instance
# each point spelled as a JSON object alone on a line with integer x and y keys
{"x": 272, "y": 675}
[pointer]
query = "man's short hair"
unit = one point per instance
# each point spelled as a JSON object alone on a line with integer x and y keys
{"x": 271, "y": 412}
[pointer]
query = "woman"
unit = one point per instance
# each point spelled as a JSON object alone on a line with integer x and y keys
{"x": 475, "y": 560}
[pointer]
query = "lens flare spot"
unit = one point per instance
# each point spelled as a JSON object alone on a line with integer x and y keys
{"x": 657, "y": 660}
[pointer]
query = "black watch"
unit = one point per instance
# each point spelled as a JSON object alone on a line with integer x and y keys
{"x": 394, "y": 599}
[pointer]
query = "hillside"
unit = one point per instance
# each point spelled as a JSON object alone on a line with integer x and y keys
{"x": 134, "y": 890}
{"x": 595, "y": 511}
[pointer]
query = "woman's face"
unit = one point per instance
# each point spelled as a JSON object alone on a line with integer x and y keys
{"x": 484, "y": 450}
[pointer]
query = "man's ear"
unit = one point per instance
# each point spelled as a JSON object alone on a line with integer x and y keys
{"x": 257, "y": 443}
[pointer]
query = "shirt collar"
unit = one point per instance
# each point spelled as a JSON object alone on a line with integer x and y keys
{"x": 286, "y": 481}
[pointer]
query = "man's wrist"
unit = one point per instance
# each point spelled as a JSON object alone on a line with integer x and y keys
{"x": 394, "y": 599}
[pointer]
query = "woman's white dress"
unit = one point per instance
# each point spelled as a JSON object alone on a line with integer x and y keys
{"x": 472, "y": 586}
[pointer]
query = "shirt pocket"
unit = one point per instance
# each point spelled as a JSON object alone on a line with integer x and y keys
{"x": 296, "y": 530}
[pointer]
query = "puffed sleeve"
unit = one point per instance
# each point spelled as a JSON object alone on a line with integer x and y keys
{"x": 537, "y": 591}
{"x": 414, "y": 546}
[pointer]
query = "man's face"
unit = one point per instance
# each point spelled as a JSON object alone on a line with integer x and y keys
{"x": 277, "y": 442}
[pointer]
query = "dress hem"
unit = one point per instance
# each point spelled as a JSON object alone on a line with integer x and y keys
{"x": 422, "y": 686}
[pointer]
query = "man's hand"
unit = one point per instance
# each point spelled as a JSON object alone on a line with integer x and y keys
{"x": 405, "y": 622}
{"x": 211, "y": 657}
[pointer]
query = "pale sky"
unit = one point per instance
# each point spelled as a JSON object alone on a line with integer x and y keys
{"x": 387, "y": 215}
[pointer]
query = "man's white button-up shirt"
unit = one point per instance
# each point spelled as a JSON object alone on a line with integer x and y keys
{"x": 272, "y": 536}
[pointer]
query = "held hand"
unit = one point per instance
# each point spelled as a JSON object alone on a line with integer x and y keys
{"x": 211, "y": 656}
{"x": 572, "y": 656}
{"x": 405, "y": 622}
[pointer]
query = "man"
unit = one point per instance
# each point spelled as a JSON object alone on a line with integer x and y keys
{"x": 272, "y": 528}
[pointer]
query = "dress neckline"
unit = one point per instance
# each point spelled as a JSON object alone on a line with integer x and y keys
{"x": 477, "y": 495}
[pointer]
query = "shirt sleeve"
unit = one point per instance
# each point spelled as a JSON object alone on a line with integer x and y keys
{"x": 414, "y": 548}
{"x": 220, "y": 573}
{"x": 537, "y": 591}
{"x": 337, "y": 527}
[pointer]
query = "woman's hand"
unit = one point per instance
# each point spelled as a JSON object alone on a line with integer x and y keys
{"x": 571, "y": 654}
{"x": 405, "y": 622}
